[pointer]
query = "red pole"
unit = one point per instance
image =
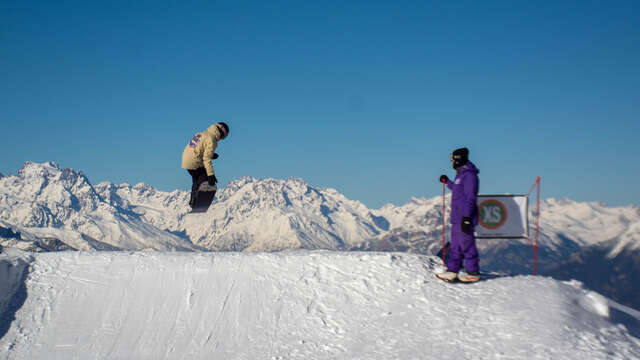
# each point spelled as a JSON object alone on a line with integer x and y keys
{"x": 535, "y": 263}
{"x": 536, "y": 185}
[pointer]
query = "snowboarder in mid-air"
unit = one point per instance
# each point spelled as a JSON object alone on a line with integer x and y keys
{"x": 464, "y": 218}
{"x": 196, "y": 159}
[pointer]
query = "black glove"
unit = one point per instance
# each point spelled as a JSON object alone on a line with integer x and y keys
{"x": 444, "y": 179}
{"x": 466, "y": 225}
{"x": 215, "y": 156}
{"x": 212, "y": 180}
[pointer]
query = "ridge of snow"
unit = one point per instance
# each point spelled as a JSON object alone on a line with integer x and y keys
{"x": 591, "y": 223}
{"x": 297, "y": 305}
{"x": 254, "y": 214}
{"x": 47, "y": 201}
{"x": 587, "y": 223}
{"x": 266, "y": 214}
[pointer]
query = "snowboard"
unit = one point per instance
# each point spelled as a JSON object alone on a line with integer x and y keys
{"x": 204, "y": 198}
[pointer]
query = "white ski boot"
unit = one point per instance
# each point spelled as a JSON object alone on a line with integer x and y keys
{"x": 448, "y": 276}
{"x": 469, "y": 277}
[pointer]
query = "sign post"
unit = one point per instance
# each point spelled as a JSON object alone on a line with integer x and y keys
{"x": 536, "y": 185}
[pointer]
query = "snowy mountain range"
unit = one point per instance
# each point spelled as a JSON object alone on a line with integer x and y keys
{"x": 45, "y": 207}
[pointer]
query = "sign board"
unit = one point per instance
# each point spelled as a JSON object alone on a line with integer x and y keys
{"x": 502, "y": 216}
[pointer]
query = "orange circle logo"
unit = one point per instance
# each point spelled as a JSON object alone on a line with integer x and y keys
{"x": 493, "y": 214}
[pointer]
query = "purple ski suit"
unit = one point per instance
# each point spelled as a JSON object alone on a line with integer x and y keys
{"x": 464, "y": 196}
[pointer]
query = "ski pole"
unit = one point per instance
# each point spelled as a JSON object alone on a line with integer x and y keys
{"x": 443, "y": 224}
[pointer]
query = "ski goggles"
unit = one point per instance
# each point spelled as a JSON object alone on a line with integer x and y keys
{"x": 223, "y": 132}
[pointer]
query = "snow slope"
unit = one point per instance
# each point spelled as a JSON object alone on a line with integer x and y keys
{"x": 296, "y": 305}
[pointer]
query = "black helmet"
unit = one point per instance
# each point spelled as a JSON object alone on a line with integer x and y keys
{"x": 224, "y": 130}
{"x": 460, "y": 157}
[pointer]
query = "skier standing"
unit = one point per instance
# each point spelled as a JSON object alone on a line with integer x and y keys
{"x": 198, "y": 154}
{"x": 464, "y": 218}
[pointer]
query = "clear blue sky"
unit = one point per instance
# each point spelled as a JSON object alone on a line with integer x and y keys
{"x": 365, "y": 97}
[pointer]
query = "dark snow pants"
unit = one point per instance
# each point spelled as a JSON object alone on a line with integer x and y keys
{"x": 198, "y": 176}
{"x": 463, "y": 248}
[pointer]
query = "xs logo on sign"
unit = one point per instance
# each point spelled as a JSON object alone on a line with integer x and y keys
{"x": 493, "y": 214}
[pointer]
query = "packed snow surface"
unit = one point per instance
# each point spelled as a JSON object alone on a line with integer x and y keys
{"x": 292, "y": 305}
